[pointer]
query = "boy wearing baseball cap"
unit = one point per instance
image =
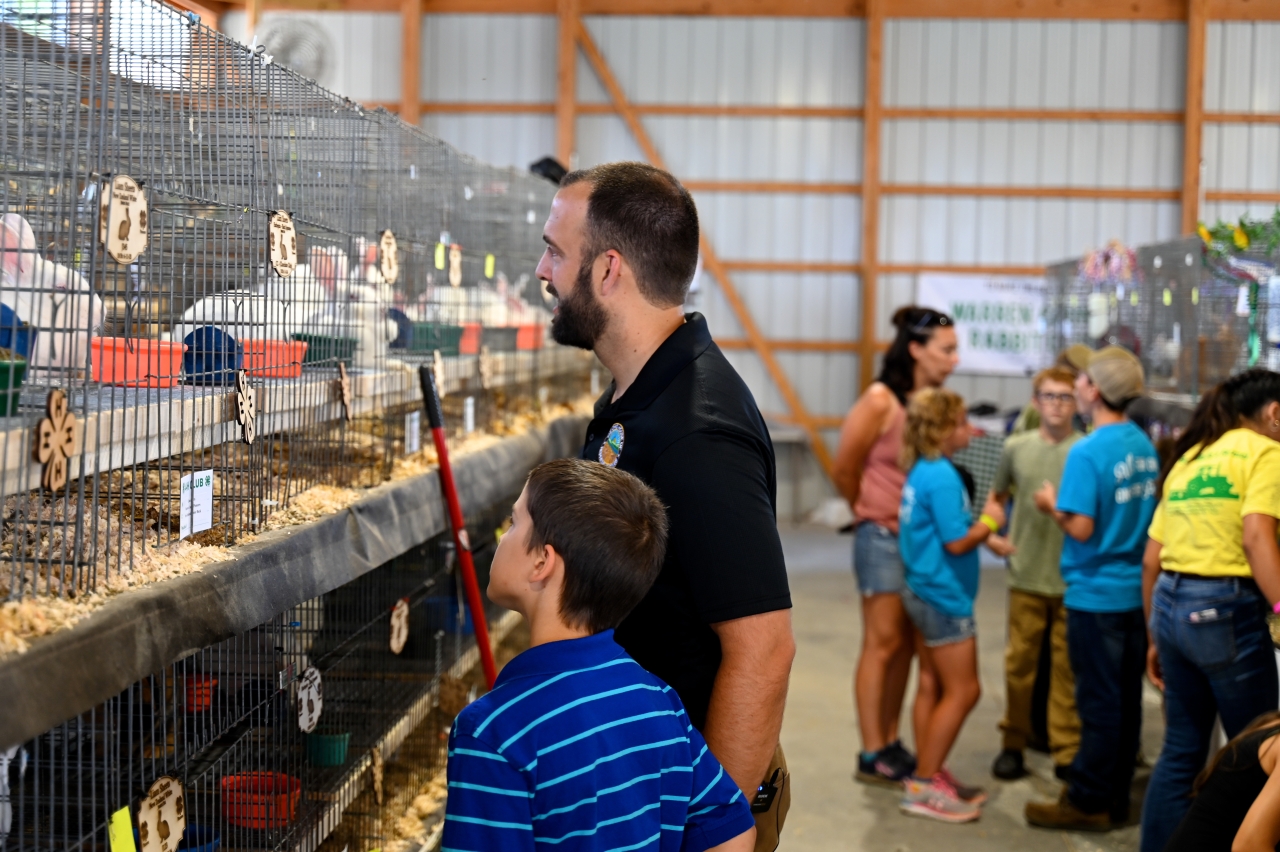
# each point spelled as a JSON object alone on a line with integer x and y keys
{"x": 1105, "y": 505}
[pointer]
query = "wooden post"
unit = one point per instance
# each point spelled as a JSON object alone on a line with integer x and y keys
{"x": 872, "y": 107}
{"x": 410, "y": 61}
{"x": 1193, "y": 114}
{"x": 567, "y": 80}
{"x": 710, "y": 259}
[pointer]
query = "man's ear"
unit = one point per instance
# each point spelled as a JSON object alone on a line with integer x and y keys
{"x": 611, "y": 266}
{"x": 545, "y": 566}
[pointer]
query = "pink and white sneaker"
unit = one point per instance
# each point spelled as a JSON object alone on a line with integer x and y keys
{"x": 936, "y": 799}
{"x": 968, "y": 792}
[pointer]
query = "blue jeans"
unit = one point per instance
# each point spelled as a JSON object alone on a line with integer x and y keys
{"x": 1217, "y": 659}
{"x": 877, "y": 564}
{"x": 1108, "y": 653}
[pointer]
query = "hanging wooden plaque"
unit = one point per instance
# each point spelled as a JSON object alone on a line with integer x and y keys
{"x": 399, "y": 625}
{"x": 455, "y": 265}
{"x": 162, "y": 816}
{"x": 282, "y": 243}
{"x": 123, "y": 223}
{"x": 310, "y": 699}
{"x": 344, "y": 390}
{"x": 388, "y": 257}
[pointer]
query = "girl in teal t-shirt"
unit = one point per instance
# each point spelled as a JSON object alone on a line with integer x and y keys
{"x": 939, "y": 541}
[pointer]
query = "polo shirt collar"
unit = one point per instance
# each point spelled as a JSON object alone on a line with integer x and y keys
{"x": 678, "y": 351}
{"x": 558, "y": 657}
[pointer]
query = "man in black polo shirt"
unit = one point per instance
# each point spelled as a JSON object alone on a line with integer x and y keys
{"x": 622, "y": 247}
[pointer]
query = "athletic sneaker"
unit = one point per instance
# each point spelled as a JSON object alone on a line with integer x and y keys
{"x": 936, "y": 799}
{"x": 881, "y": 769}
{"x": 896, "y": 756}
{"x": 969, "y": 793}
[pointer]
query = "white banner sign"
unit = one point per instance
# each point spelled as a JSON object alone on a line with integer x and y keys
{"x": 1000, "y": 321}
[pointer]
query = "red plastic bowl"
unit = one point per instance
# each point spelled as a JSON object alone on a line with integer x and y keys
{"x": 136, "y": 363}
{"x": 529, "y": 337}
{"x": 200, "y": 689}
{"x": 469, "y": 344}
{"x": 260, "y": 799}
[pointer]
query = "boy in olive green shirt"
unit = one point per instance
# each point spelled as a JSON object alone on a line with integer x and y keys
{"x": 1035, "y": 580}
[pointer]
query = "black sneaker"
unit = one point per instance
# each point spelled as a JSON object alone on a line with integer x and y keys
{"x": 880, "y": 772}
{"x": 897, "y": 756}
{"x": 1009, "y": 765}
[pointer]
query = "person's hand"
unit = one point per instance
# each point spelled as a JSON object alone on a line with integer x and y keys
{"x": 1154, "y": 674}
{"x": 1046, "y": 498}
{"x": 1000, "y": 545}
{"x": 997, "y": 513}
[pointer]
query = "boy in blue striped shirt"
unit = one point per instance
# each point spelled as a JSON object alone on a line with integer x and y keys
{"x": 577, "y": 747}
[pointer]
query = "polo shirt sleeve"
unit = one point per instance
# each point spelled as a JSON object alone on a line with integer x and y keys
{"x": 722, "y": 530}
{"x": 1262, "y": 491}
{"x": 718, "y": 812}
{"x": 489, "y": 804}
{"x": 1078, "y": 493}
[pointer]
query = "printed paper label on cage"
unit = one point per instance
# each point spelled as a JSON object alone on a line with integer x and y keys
{"x": 282, "y": 243}
{"x": 388, "y": 257}
{"x": 125, "y": 214}
{"x": 162, "y": 816}
{"x": 310, "y": 699}
{"x": 412, "y": 432}
{"x": 399, "y": 625}
{"x": 196, "y": 504}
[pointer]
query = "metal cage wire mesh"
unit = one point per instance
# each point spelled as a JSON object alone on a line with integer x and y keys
{"x": 219, "y": 138}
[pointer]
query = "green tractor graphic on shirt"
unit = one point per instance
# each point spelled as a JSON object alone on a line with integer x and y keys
{"x": 1205, "y": 485}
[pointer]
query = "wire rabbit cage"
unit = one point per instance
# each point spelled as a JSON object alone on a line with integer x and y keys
{"x": 219, "y": 280}
{"x": 1193, "y": 315}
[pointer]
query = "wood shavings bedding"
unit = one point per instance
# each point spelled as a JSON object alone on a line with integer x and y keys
{"x": 130, "y": 553}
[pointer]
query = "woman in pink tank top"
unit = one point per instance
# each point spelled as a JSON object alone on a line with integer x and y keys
{"x": 866, "y": 472}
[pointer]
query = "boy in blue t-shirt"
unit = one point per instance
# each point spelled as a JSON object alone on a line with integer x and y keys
{"x": 1105, "y": 505}
{"x": 578, "y": 748}
{"x": 939, "y": 538}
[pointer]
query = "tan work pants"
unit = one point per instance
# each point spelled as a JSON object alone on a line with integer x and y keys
{"x": 1030, "y": 615}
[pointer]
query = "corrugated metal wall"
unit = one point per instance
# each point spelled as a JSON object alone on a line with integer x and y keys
{"x": 1027, "y": 65}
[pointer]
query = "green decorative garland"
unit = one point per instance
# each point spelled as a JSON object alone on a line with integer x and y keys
{"x": 1226, "y": 239}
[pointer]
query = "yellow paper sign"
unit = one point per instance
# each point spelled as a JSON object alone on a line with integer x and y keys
{"x": 489, "y": 261}
{"x": 120, "y": 831}
{"x": 439, "y": 255}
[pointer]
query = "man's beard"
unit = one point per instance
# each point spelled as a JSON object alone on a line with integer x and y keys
{"x": 579, "y": 321}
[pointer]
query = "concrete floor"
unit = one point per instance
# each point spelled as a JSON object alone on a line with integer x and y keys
{"x": 829, "y": 811}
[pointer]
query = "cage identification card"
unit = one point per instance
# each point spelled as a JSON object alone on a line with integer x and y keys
{"x": 412, "y": 432}
{"x": 196, "y": 505}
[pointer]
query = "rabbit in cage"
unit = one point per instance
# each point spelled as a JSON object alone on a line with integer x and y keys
{"x": 50, "y": 297}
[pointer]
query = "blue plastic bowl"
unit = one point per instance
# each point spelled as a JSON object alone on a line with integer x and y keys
{"x": 404, "y": 329}
{"x": 212, "y": 357}
{"x": 15, "y": 334}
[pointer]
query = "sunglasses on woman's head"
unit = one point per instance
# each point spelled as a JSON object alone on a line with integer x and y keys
{"x": 930, "y": 318}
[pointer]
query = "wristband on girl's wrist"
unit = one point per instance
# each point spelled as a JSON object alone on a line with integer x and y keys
{"x": 989, "y": 522}
{"x": 1276, "y": 608}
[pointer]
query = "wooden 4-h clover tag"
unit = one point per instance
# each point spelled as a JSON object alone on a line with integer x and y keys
{"x": 486, "y": 367}
{"x": 437, "y": 369}
{"x": 399, "y": 625}
{"x": 246, "y": 406}
{"x": 55, "y": 441}
{"x": 377, "y": 775}
{"x": 455, "y": 265}
{"x": 344, "y": 390}
{"x": 123, "y": 220}
{"x": 282, "y": 243}
{"x": 310, "y": 699}
{"x": 388, "y": 257}
{"x": 162, "y": 816}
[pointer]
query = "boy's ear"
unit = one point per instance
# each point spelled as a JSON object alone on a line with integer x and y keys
{"x": 545, "y": 565}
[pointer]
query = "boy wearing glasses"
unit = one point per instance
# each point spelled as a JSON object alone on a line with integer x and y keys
{"x": 1036, "y": 589}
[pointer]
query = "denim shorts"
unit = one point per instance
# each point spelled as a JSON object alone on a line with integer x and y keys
{"x": 936, "y": 627}
{"x": 877, "y": 565}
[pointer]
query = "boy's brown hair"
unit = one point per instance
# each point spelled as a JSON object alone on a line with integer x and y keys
{"x": 931, "y": 417}
{"x": 1056, "y": 373}
{"x": 608, "y": 527}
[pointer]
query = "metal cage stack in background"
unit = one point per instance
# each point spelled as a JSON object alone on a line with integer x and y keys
{"x": 218, "y": 275}
{"x": 1191, "y": 315}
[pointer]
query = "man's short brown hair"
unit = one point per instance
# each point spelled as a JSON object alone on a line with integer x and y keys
{"x": 646, "y": 215}
{"x": 1054, "y": 374}
{"x": 608, "y": 527}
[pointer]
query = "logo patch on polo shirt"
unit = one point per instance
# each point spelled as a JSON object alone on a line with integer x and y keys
{"x": 611, "y": 449}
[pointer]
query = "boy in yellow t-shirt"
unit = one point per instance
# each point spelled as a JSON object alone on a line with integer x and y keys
{"x": 1210, "y": 575}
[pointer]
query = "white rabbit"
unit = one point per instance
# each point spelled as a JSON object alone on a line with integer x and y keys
{"x": 243, "y": 314}
{"x": 55, "y": 300}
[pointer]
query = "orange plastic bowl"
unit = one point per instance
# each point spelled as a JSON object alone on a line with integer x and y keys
{"x": 200, "y": 689}
{"x": 136, "y": 363}
{"x": 529, "y": 336}
{"x": 469, "y": 344}
{"x": 274, "y": 359}
{"x": 260, "y": 799}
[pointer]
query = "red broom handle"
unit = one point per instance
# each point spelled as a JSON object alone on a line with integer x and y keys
{"x": 435, "y": 416}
